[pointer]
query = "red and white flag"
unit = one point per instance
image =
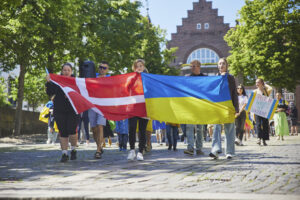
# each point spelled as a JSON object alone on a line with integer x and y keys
{"x": 116, "y": 97}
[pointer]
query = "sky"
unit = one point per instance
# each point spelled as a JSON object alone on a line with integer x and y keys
{"x": 169, "y": 13}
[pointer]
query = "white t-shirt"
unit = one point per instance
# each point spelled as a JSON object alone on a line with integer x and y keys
{"x": 242, "y": 100}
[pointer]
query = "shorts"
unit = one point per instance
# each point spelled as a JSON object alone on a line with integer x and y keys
{"x": 96, "y": 119}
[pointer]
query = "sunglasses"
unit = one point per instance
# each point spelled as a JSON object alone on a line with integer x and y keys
{"x": 102, "y": 67}
{"x": 194, "y": 66}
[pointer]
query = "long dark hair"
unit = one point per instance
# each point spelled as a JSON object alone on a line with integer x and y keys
{"x": 243, "y": 88}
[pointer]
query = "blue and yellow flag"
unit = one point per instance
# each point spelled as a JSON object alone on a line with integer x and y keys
{"x": 188, "y": 99}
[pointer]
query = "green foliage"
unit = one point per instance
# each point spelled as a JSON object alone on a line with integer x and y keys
{"x": 149, "y": 47}
{"x": 3, "y": 93}
{"x": 267, "y": 42}
{"x": 34, "y": 88}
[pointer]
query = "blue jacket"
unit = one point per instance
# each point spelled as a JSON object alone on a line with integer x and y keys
{"x": 122, "y": 126}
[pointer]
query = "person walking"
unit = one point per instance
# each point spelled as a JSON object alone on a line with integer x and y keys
{"x": 262, "y": 124}
{"x": 172, "y": 135}
{"x": 228, "y": 127}
{"x": 64, "y": 115}
{"x": 52, "y": 134}
{"x": 84, "y": 118}
{"x": 294, "y": 118}
{"x": 97, "y": 121}
{"x": 241, "y": 116}
{"x": 122, "y": 131}
{"x": 139, "y": 67}
{"x": 280, "y": 121}
{"x": 196, "y": 71}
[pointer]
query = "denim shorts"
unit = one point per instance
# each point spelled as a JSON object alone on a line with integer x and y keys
{"x": 96, "y": 119}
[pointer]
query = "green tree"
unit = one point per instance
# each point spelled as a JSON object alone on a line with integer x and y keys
{"x": 3, "y": 93}
{"x": 29, "y": 30}
{"x": 266, "y": 43}
{"x": 34, "y": 88}
{"x": 150, "y": 48}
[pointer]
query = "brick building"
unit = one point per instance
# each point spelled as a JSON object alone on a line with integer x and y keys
{"x": 201, "y": 37}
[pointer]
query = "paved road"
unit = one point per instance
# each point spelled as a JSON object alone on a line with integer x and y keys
{"x": 257, "y": 172}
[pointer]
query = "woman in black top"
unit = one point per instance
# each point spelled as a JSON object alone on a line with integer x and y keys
{"x": 64, "y": 115}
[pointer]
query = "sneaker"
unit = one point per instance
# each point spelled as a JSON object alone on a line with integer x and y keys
{"x": 199, "y": 152}
{"x": 53, "y": 143}
{"x": 214, "y": 155}
{"x": 131, "y": 155}
{"x": 73, "y": 154}
{"x": 189, "y": 152}
{"x": 229, "y": 156}
{"x": 237, "y": 142}
{"x": 97, "y": 155}
{"x": 48, "y": 142}
{"x": 139, "y": 156}
{"x": 64, "y": 158}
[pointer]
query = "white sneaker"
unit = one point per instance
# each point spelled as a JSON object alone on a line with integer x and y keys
{"x": 48, "y": 141}
{"x": 229, "y": 156}
{"x": 131, "y": 155}
{"x": 139, "y": 156}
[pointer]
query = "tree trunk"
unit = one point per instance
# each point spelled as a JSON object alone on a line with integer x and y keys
{"x": 18, "y": 114}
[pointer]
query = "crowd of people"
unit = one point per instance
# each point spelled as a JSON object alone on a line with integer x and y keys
{"x": 69, "y": 123}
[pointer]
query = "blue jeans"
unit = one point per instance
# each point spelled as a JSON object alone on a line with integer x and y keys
{"x": 229, "y": 142}
{"x": 190, "y": 136}
{"x": 123, "y": 139}
{"x": 172, "y": 138}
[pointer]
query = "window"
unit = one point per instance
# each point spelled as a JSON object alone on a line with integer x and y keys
{"x": 198, "y": 26}
{"x": 206, "y": 26}
{"x": 204, "y": 55}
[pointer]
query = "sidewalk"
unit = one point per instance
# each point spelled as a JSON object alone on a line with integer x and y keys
{"x": 257, "y": 172}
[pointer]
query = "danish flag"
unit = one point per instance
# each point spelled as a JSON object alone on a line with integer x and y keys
{"x": 115, "y": 97}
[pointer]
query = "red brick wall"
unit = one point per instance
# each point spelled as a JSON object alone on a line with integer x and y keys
{"x": 188, "y": 38}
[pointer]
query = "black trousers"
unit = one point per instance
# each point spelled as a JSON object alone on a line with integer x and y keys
{"x": 262, "y": 127}
{"x": 66, "y": 123}
{"x": 142, "y": 132}
{"x": 240, "y": 125}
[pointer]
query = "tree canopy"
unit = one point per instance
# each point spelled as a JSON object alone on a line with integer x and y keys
{"x": 266, "y": 42}
{"x": 47, "y": 33}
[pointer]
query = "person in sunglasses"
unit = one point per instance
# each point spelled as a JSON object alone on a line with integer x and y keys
{"x": 97, "y": 121}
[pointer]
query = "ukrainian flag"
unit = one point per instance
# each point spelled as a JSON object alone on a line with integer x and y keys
{"x": 188, "y": 99}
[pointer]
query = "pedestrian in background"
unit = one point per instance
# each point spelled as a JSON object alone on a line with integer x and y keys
{"x": 294, "y": 118}
{"x": 84, "y": 118}
{"x": 51, "y": 133}
{"x": 241, "y": 116}
{"x": 280, "y": 121}
{"x": 122, "y": 131}
{"x": 172, "y": 134}
{"x": 262, "y": 124}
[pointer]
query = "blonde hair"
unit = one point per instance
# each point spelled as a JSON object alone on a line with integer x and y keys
{"x": 196, "y": 62}
{"x": 134, "y": 65}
